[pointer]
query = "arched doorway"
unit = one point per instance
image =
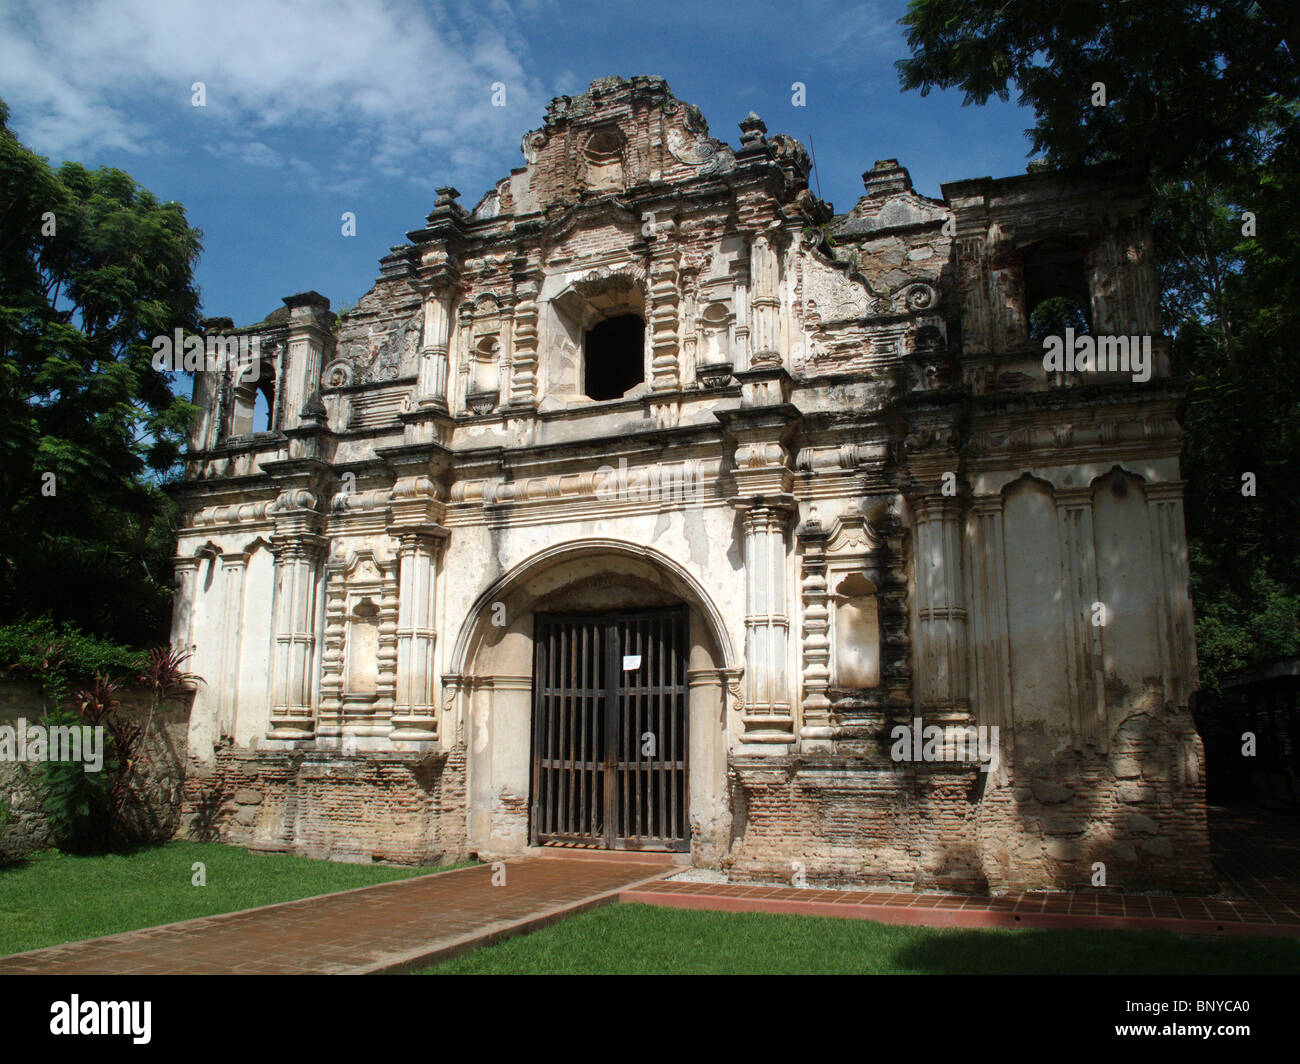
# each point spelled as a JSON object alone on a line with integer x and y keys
{"x": 572, "y": 741}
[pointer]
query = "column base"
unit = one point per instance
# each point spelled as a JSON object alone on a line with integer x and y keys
{"x": 768, "y": 729}
{"x": 290, "y": 730}
{"x": 414, "y": 728}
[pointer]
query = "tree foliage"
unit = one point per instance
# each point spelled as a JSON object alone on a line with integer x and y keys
{"x": 92, "y": 267}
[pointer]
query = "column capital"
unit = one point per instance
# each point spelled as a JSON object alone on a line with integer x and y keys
{"x": 308, "y": 546}
{"x": 933, "y": 505}
{"x": 427, "y": 536}
{"x": 780, "y": 506}
{"x": 1073, "y": 497}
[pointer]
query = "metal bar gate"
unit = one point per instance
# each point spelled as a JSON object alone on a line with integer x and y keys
{"x": 610, "y": 728}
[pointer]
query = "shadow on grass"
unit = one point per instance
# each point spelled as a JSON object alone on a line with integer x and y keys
{"x": 1094, "y": 953}
{"x": 639, "y": 939}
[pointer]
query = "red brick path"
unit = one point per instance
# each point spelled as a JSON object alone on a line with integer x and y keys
{"x": 371, "y": 929}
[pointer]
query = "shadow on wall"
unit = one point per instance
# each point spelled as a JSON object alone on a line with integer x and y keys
{"x": 1105, "y": 774}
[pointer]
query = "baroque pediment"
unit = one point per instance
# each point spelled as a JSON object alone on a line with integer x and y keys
{"x": 851, "y": 536}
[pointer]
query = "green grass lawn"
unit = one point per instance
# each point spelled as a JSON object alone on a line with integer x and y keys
{"x": 52, "y": 898}
{"x": 624, "y": 939}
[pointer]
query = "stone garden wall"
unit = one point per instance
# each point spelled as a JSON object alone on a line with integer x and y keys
{"x": 154, "y": 808}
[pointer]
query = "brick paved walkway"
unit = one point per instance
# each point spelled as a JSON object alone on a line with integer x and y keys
{"x": 389, "y": 927}
{"x": 414, "y": 922}
{"x": 1256, "y": 857}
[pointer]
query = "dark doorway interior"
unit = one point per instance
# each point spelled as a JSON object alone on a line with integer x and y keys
{"x": 615, "y": 359}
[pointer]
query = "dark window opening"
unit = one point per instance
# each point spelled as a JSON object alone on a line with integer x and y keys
{"x": 1056, "y": 291}
{"x": 615, "y": 357}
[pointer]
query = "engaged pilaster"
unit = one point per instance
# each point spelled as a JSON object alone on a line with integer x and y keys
{"x": 431, "y": 386}
{"x": 418, "y": 503}
{"x": 815, "y": 729}
{"x": 765, "y": 302}
{"x": 1083, "y": 660}
{"x": 310, "y": 340}
{"x": 941, "y": 615}
{"x": 763, "y": 480}
{"x": 298, "y": 552}
{"x": 415, "y": 714}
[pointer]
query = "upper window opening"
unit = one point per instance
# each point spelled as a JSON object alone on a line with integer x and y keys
{"x": 262, "y": 411}
{"x": 1056, "y": 291}
{"x": 254, "y": 401}
{"x": 615, "y": 357}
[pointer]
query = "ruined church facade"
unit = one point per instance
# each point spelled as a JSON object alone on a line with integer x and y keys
{"x": 649, "y": 504}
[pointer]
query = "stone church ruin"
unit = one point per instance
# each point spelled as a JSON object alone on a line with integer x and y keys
{"x": 641, "y": 505}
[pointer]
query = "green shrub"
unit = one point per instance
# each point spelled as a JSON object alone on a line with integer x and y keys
{"x": 57, "y": 656}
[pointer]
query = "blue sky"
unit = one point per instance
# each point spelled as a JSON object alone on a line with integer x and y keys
{"x": 316, "y": 107}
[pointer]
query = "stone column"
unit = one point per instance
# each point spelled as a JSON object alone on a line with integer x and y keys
{"x": 299, "y": 551}
{"x": 664, "y": 296}
{"x": 765, "y": 302}
{"x": 431, "y": 387}
{"x": 310, "y": 338}
{"x": 331, "y": 685}
{"x": 415, "y": 712}
{"x": 1173, "y": 610}
{"x": 523, "y": 362}
{"x": 297, "y": 560}
{"x": 187, "y": 573}
{"x": 1083, "y": 657}
{"x": 389, "y": 616}
{"x": 740, "y": 331}
{"x": 768, "y": 713}
{"x": 941, "y": 617}
{"x": 232, "y": 579}
{"x": 989, "y": 637}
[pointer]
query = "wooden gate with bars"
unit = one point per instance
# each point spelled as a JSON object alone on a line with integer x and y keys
{"x": 610, "y": 730}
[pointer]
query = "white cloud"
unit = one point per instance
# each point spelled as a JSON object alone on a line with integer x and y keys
{"x": 864, "y": 32}
{"x": 387, "y": 80}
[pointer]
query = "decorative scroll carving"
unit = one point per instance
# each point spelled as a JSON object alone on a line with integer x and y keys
{"x": 384, "y": 354}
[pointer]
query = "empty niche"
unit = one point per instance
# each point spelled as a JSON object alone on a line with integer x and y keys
{"x": 715, "y": 325}
{"x": 857, "y": 633}
{"x": 604, "y": 154}
{"x": 363, "y": 648}
{"x": 483, "y": 366}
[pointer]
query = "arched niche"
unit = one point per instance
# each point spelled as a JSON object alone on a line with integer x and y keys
{"x": 363, "y": 649}
{"x": 855, "y": 633}
{"x": 1037, "y": 618}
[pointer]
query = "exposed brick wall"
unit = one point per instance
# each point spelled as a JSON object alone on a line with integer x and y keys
{"x": 855, "y": 821}
{"x": 398, "y": 808}
{"x": 1140, "y": 810}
